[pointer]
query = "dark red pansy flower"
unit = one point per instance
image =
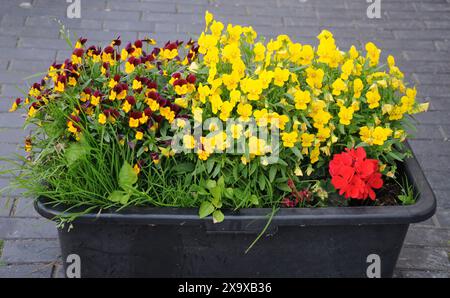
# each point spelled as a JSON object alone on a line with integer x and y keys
{"x": 136, "y": 114}
{"x": 153, "y": 95}
{"x": 131, "y": 100}
{"x": 138, "y": 43}
{"x": 154, "y": 156}
{"x": 152, "y": 85}
{"x": 82, "y": 40}
{"x": 148, "y": 111}
{"x": 163, "y": 102}
{"x": 158, "y": 118}
{"x": 78, "y": 52}
{"x": 118, "y": 88}
{"x": 175, "y": 108}
{"x": 75, "y": 118}
{"x": 109, "y": 50}
{"x": 171, "y": 45}
{"x": 117, "y": 42}
{"x": 180, "y": 82}
{"x": 354, "y": 175}
{"x": 191, "y": 78}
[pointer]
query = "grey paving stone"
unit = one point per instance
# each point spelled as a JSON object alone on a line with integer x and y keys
{"x": 443, "y": 45}
{"x": 172, "y": 18}
{"x": 424, "y": 274}
{"x": 424, "y": 258}
{"x": 111, "y": 15}
{"x": 429, "y": 34}
{"x": 443, "y": 216}
{"x": 439, "y": 103}
{"x": 432, "y": 6}
{"x": 433, "y": 78}
{"x": 128, "y": 25}
{"x": 8, "y": 149}
{"x": 97, "y": 4}
{"x": 439, "y": 180}
{"x": 38, "y": 32}
{"x": 437, "y": 24}
{"x": 5, "y": 206}
{"x": 428, "y": 131}
{"x": 434, "y": 117}
{"x": 13, "y": 136}
{"x": 415, "y": 55}
{"x": 11, "y": 20}
{"x": 166, "y": 28}
{"x": 26, "y": 271}
{"x": 426, "y": 67}
{"x": 23, "y": 228}
{"x": 25, "y": 208}
{"x": 30, "y": 66}
{"x": 220, "y": 11}
{"x": 14, "y": 53}
{"x": 423, "y": 15}
{"x": 8, "y": 41}
{"x": 393, "y": 24}
{"x": 11, "y": 90}
{"x": 430, "y": 148}
{"x": 141, "y": 6}
{"x": 42, "y": 43}
{"x": 443, "y": 198}
{"x": 30, "y": 251}
{"x": 17, "y": 77}
{"x": 439, "y": 237}
{"x": 436, "y": 162}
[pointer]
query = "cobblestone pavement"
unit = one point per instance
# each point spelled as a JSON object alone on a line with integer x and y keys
{"x": 416, "y": 32}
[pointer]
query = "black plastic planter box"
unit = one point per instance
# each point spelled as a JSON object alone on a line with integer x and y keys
{"x": 321, "y": 242}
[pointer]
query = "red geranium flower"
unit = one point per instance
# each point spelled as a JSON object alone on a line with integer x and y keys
{"x": 354, "y": 175}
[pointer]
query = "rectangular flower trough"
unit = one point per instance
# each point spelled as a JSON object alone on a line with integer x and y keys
{"x": 300, "y": 242}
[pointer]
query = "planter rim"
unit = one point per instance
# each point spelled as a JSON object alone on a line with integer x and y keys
{"x": 423, "y": 209}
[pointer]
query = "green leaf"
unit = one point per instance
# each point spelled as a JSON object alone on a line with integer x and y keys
{"x": 282, "y": 162}
{"x": 395, "y": 156}
{"x": 253, "y": 168}
{"x": 216, "y": 192}
{"x": 182, "y": 168}
{"x": 221, "y": 182}
{"x": 216, "y": 170}
{"x": 209, "y": 165}
{"x": 254, "y": 199}
{"x": 127, "y": 176}
{"x": 296, "y": 152}
{"x": 272, "y": 173}
{"x": 262, "y": 181}
{"x": 210, "y": 184}
{"x": 218, "y": 216}
{"x": 119, "y": 196}
{"x": 200, "y": 190}
{"x": 206, "y": 208}
{"x": 75, "y": 151}
{"x": 284, "y": 187}
{"x": 228, "y": 192}
{"x": 235, "y": 173}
